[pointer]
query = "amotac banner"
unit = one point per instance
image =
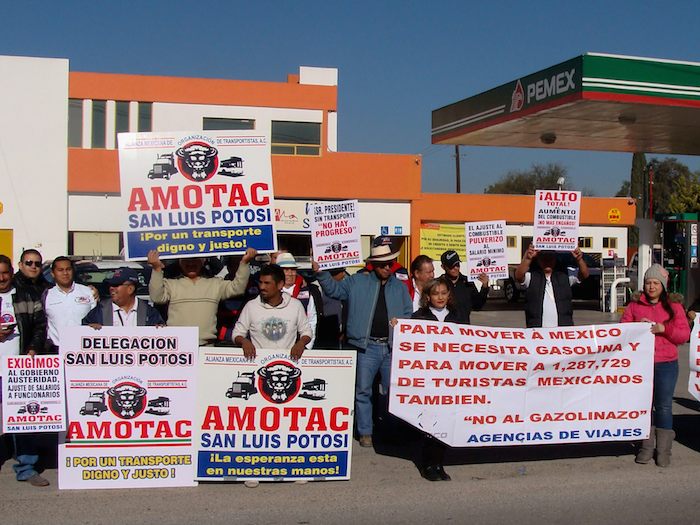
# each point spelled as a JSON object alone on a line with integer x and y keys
{"x": 474, "y": 386}
{"x": 486, "y": 249}
{"x": 273, "y": 419}
{"x": 196, "y": 193}
{"x": 32, "y": 394}
{"x": 556, "y": 221}
{"x": 130, "y": 394}
{"x": 335, "y": 234}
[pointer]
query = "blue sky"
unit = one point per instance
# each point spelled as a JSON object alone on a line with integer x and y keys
{"x": 397, "y": 60}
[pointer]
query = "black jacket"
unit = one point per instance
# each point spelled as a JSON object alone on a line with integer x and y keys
{"x": 562, "y": 298}
{"x": 37, "y": 286}
{"x": 453, "y": 316}
{"x": 31, "y": 321}
{"x": 466, "y": 296}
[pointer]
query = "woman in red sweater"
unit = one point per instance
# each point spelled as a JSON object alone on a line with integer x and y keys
{"x": 670, "y": 328}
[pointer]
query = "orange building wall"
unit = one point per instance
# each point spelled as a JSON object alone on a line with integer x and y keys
{"x": 143, "y": 88}
{"x": 514, "y": 209}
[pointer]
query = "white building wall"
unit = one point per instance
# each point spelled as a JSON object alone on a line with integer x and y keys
{"x": 34, "y": 153}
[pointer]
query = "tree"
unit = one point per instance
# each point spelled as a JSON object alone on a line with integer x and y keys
{"x": 685, "y": 197}
{"x": 624, "y": 190}
{"x": 538, "y": 177}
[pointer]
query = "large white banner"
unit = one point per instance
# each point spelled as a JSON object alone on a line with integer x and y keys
{"x": 478, "y": 386}
{"x": 556, "y": 222}
{"x": 130, "y": 394}
{"x": 335, "y": 234}
{"x": 694, "y": 354}
{"x": 486, "y": 249}
{"x": 274, "y": 419}
{"x": 196, "y": 193}
{"x": 32, "y": 394}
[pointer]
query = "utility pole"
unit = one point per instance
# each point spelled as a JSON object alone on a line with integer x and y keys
{"x": 457, "y": 172}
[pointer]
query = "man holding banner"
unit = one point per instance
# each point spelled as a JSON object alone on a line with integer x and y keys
{"x": 373, "y": 299}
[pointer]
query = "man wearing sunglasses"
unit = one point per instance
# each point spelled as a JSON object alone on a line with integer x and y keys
{"x": 29, "y": 275}
{"x": 373, "y": 299}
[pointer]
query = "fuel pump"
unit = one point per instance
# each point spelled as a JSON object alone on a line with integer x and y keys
{"x": 679, "y": 238}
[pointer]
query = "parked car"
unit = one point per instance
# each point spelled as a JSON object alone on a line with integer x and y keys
{"x": 95, "y": 273}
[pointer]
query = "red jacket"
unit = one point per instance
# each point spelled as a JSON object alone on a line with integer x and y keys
{"x": 676, "y": 330}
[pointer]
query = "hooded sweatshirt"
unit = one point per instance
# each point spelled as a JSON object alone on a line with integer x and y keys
{"x": 273, "y": 327}
{"x": 676, "y": 330}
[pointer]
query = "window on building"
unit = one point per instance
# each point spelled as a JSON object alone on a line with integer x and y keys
{"x": 121, "y": 118}
{"x": 296, "y": 138}
{"x": 585, "y": 242}
{"x": 213, "y": 123}
{"x": 95, "y": 243}
{"x": 75, "y": 123}
{"x": 145, "y": 116}
{"x": 610, "y": 243}
{"x": 511, "y": 241}
{"x": 98, "y": 123}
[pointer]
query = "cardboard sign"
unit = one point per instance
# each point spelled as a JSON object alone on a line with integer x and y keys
{"x": 486, "y": 249}
{"x": 196, "y": 193}
{"x": 33, "y": 394}
{"x": 274, "y": 419}
{"x": 130, "y": 395}
{"x": 335, "y": 234}
{"x": 556, "y": 222}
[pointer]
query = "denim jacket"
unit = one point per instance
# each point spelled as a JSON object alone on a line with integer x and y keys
{"x": 361, "y": 292}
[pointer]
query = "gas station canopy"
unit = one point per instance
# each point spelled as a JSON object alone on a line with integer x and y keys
{"x": 592, "y": 102}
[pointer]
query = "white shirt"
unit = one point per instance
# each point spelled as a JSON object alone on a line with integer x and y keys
{"x": 550, "y": 315}
{"x": 274, "y": 327}
{"x": 67, "y": 308}
{"x": 416, "y": 297}
{"x": 7, "y": 316}
{"x": 121, "y": 317}
{"x": 440, "y": 313}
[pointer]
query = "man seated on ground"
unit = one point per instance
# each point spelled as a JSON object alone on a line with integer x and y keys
{"x": 194, "y": 299}
{"x": 122, "y": 307}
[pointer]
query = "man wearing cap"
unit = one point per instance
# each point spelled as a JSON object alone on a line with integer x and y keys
{"x": 373, "y": 299}
{"x": 548, "y": 296}
{"x": 194, "y": 298}
{"x": 467, "y": 296}
{"x": 123, "y": 308}
{"x": 297, "y": 287}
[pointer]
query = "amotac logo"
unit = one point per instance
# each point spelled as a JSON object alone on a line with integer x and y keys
{"x": 197, "y": 160}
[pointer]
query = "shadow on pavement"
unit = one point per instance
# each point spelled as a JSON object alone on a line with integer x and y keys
{"x": 687, "y": 426}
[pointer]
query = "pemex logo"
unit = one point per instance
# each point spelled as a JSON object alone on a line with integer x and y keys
{"x": 517, "y": 99}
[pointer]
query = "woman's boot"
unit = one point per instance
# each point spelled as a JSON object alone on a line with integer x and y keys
{"x": 646, "y": 451}
{"x": 664, "y": 440}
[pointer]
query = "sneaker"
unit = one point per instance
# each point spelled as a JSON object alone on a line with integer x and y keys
{"x": 38, "y": 481}
{"x": 366, "y": 441}
{"x": 252, "y": 483}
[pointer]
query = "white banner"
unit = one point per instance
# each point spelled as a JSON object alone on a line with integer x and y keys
{"x": 274, "y": 419}
{"x": 196, "y": 193}
{"x": 478, "y": 386}
{"x": 694, "y": 355}
{"x": 33, "y": 394}
{"x": 556, "y": 222}
{"x": 486, "y": 249}
{"x": 130, "y": 394}
{"x": 335, "y": 234}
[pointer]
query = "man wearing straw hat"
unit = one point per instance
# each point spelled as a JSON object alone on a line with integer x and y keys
{"x": 373, "y": 299}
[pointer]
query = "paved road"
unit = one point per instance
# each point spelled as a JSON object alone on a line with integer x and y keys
{"x": 553, "y": 484}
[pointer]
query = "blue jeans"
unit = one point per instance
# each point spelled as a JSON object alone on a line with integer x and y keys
{"x": 665, "y": 377}
{"x": 25, "y": 452}
{"x": 376, "y": 358}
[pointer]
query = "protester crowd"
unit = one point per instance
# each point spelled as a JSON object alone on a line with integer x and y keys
{"x": 276, "y": 307}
